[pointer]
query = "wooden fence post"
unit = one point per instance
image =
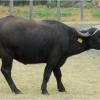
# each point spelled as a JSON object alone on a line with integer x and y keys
{"x": 11, "y": 7}
{"x": 30, "y": 8}
{"x": 58, "y": 10}
{"x": 82, "y": 10}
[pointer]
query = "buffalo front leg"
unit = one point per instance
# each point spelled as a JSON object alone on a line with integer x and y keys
{"x": 46, "y": 76}
{"x": 6, "y": 70}
{"x": 58, "y": 75}
{"x": 52, "y": 63}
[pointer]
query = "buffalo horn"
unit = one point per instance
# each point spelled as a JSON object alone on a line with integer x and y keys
{"x": 84, "y": 34}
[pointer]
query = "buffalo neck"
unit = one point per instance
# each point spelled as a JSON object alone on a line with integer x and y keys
{"x": 77, "y": 47}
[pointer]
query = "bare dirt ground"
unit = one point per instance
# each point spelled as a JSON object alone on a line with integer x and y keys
{"x": 81, "y": 78}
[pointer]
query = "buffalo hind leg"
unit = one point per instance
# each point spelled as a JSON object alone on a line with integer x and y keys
{"x": 58, "y": 75}
{"x": 6, "y": 70}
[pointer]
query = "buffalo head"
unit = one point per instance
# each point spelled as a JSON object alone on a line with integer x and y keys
{"x": 92, "y": 36}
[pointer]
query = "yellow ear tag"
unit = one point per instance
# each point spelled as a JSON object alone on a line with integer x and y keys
{"x": 80, "y": 40}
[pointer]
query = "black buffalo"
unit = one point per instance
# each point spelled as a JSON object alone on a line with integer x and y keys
{"x": 46, "y": 41}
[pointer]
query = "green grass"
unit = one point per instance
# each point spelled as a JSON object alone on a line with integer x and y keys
{"x": 42, "y": 12}
{"x": 96, "y": 13}
{"x": 68, "y": 11}
{"x": 52, "y": 12}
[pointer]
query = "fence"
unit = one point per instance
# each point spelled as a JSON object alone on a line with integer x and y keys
{"x": 11, "y": 7}
{"x": 58, "y": 8}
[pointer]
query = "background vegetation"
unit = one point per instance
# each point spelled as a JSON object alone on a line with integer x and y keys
{"x": 50, "y": 3}
{"x": 46, "y": 9}
{"x": 42, "y": 12}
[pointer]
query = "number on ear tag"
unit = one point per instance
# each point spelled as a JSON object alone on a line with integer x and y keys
{"x": 80, "y": 40}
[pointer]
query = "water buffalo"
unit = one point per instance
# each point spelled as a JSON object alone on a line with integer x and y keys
{"x": 45, "y": 41}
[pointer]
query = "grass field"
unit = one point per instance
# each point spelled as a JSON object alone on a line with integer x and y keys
{"x": 42, "y": 12}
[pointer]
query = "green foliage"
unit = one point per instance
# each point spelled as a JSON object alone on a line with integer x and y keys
{"x": 88, "y": 4}
{"x": 49, "y": 3}
{"x": 20, "y": 3}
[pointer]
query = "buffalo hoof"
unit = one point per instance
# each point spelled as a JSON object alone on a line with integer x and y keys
{"x": 45, "y": 92}
{"x": 62, "y": 89}
{"x": 17, "y": 91}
